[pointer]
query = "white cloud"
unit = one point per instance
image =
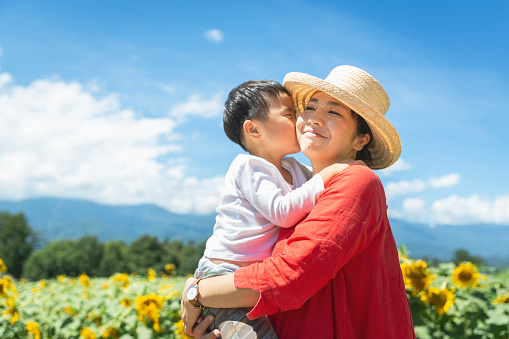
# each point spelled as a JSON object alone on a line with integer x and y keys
{"x": 59, "y": 140}
{"x": 445, "y": 181}
{"x": 456, "y": 210}
{"x": 414, "y": 208}
{"x": 400, "y": 165}
{"x": 404, "y": 187}
{"x": 197, "y": 106}
{"x": 5, "y": 79}
{"x": 214, "y": 35}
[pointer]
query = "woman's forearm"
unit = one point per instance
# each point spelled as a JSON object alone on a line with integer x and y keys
{"x": 220, "y": 292}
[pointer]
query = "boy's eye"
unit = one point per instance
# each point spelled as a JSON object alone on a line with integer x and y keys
{"x": 309, "y": 108}
{"x": 334, "y": 113}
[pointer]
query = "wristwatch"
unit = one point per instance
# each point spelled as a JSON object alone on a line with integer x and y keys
{"x": 192, "y": 295}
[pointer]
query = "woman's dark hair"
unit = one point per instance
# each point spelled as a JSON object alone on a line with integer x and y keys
{"x": 362, "y": 128}
{"x": 249, "y": 101}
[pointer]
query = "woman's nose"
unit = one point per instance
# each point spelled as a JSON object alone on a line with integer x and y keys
{"x": 314, "y": 119}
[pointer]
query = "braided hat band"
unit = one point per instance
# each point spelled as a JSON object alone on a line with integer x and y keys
{"x": 362, "y": 93}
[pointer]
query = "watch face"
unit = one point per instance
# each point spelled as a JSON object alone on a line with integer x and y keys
{"x": 191, "y": 293}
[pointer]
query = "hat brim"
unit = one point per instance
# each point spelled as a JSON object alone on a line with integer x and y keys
{"x": 386, "y": 145}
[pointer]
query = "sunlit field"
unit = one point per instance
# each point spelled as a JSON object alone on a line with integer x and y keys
{"x": 447, "y": 301}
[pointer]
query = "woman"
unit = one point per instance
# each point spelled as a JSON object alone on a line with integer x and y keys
{"x": 336, "y": 274}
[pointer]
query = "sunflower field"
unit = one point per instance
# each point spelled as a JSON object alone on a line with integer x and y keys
{"x": 447, "y": 301}
{"x": 121, "y": 306}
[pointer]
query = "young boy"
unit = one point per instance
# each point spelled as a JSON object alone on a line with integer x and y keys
{"x": 263, "y": 191}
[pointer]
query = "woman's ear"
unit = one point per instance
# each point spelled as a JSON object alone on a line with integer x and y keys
{"x": 251, "y": 129}
{"x": 361, "y": 141}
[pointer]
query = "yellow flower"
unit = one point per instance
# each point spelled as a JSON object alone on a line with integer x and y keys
{"x": 72, "y": 281}
{"x": 416, "y": 276}
{"x": 169, "y": 292}
{"x": 84, "y": 280}
{"x": 148, "y": 306}
{"x": 32, "y": 327}
{"x": 503, "y": 299}
{"x": 6, "y": 285}
{"x": 151, "y": 274}
{"x": 87, "y": 333}
{"x": 126, "y": 302}
{"x": 465, "y": 275}
{"x": 179, "y": 332}
{"x": 95, "y": 318}
{"x": 70, "y": 310}
{"x": 12, "y": 311}
{"x": 42, "y": 284}
{"x": 35, "y": 290}
{"x": 110, "y": 332}
{"x": 442, "y": 298}
{"x": 3, "y": 268}
{"x": 122, "y": 278}
{"x": 169, "y": 268}
{"x": 105, "y": 285}
{"x": 61, "y": 278}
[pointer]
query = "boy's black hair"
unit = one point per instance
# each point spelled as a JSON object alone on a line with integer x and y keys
{"x": 249, "y": 101}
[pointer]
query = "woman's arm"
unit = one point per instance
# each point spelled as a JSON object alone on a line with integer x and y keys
{"x": 219, "y": 292}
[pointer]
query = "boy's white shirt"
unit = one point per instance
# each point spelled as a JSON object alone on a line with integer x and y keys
{"x": 255, "y": 199}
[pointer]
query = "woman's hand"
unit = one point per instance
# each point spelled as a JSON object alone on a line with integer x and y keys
{"x": 191, "y": 316}
{"x": 188, "y": 313}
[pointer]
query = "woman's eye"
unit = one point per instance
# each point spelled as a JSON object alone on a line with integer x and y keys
{"x": 335, "y": 113}
{"x": 309, "y": 108}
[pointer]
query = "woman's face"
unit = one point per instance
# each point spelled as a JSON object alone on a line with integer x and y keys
{"x": 326, "y": 131}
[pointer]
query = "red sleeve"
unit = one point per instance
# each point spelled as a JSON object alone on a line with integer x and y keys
{"x": 342, "y": 223}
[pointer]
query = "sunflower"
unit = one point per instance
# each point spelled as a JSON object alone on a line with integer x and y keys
{"x": 11, "y": 310}
{"x": 3, "y": 268}
{"x": 179, "y": 331}
{"x": 122, "y": 279}
{"x": 170, "y": 268}
{"x": 465, "y": 275}
{"x": 148, "y": 306}
{"x": 85, "y": 280}
{"x": 87, "y": 333}
{"x": 442, "y": 298}
{"x": 32, "y": 327}
{"x": 110, "y": 332}
{"x": 126, "y": 302}
{"x": 503, "y": 299}
{"x": 416, "y": 276}
{"x": 151, "y": 274}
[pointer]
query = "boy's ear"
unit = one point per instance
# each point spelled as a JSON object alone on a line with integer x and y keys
{"x": 251, "y": 129}
{"x": 361, "y": 141}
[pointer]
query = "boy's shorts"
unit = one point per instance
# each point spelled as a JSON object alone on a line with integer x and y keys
{"x": 232, "y": 322}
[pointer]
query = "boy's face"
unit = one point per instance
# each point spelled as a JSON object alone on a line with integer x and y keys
{"x": 279, "y": 128}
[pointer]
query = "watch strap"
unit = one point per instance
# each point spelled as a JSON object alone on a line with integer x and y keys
{"x": 194, "y": 302}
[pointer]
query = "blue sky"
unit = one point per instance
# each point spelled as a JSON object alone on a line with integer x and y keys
{"x": 120, "y": 102}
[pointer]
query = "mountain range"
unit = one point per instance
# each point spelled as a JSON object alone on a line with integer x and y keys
{"x": 57, "y": 219}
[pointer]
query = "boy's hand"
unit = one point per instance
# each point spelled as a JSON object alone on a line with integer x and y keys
{"x": 330, "y": 171}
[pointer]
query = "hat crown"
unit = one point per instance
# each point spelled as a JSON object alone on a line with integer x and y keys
{"x": 360, "y": 85}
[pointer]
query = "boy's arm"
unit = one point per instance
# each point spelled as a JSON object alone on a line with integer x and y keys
{"x": 331, "y": 171}
{"x": 262, "y": 185}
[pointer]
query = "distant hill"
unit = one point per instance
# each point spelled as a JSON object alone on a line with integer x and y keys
{"x": 71, "y": 219}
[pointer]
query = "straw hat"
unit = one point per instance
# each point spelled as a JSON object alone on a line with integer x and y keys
{"x": 363, "y": 94}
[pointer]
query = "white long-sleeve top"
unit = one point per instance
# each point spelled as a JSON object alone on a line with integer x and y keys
{"x": 255, "y": 199}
